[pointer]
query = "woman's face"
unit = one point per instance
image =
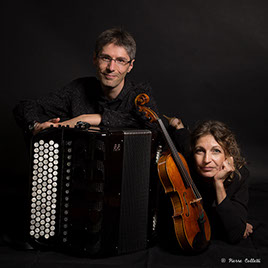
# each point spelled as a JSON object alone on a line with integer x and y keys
{"x": 208, "y": 155}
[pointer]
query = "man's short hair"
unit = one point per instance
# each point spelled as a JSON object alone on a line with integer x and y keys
{"x": 119, "y": 37}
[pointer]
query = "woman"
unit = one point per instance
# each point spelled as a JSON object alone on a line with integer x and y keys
{"x": 221, "y": 176}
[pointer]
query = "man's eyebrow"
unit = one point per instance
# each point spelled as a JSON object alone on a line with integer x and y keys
{"x": 120, "y": 57}
{"x": 123, "y": 58}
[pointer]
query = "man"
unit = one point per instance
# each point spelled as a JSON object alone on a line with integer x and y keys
{"x": 107, "y": 100}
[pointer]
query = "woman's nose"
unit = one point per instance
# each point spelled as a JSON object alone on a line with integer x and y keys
{"x": 207, "y": 158}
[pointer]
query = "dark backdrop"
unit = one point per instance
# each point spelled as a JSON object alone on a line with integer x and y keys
{"x": 204, "y": 59}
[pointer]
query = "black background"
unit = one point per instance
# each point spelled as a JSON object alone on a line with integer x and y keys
{"x": 204, "y": 59}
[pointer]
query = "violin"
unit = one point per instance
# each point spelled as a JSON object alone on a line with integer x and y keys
{"x": 191, "y": 224}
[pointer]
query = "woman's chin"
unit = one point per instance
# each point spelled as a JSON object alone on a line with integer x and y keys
{"x": 207, "y": 175}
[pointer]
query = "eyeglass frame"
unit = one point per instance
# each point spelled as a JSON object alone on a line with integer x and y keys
{"x": 109, "y": 59}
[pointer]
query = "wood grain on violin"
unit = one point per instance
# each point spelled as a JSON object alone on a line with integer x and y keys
{"x": 191, "y": 224}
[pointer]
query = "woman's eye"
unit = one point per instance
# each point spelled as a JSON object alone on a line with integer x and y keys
{"x": 198, "y": 151}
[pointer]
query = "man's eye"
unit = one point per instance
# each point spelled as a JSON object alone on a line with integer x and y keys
{"x": 121, "y": 60}
{"x": 106, "y": 58}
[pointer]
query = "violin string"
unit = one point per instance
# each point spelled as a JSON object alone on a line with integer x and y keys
{"x": 178, "y": 161}
{"x": 173, "y": 151}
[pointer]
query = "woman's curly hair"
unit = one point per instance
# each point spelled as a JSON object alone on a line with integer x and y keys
{"x": 224, "y": 136}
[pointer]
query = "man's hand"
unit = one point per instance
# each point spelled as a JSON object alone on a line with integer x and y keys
{"x": 92, "y": 119}
{"x": 41, "y": 126}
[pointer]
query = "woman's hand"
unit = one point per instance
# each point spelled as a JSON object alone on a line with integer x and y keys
{"x": 174, "y": 122}
{"x": 248, "y": 230}
{"x": 219, "y": 178}
{"x": 226, "y": 169}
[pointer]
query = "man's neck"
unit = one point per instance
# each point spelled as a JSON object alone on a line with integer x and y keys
{"x": 112, "y": 93}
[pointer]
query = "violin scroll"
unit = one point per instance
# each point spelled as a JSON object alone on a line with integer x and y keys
{"x": 140, "y": 102}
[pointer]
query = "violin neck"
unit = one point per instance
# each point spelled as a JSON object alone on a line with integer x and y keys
{"x": 168, "y": 139}
{"x": 174, "y": 153}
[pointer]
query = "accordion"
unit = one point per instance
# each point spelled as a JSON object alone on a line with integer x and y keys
{"x": 93, "y": 192}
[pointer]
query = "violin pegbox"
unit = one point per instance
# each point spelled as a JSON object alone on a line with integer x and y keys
{"x": 140, "y": 102}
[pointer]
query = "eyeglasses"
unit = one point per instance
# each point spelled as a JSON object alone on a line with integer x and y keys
{"x": 120, "y": 62}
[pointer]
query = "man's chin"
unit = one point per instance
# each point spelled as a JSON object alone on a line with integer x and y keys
{"x": 109, "y": 84}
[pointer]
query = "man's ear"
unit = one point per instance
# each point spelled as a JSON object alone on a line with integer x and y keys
{"x": 131, "y": 65}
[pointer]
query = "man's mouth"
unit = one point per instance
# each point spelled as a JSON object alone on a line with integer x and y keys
{"x": 109, "y": 76}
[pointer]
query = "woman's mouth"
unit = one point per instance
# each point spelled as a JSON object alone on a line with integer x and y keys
{"x": 206, "y": 169}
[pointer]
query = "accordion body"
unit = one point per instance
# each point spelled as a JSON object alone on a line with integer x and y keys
{"x": 92, "y": 192}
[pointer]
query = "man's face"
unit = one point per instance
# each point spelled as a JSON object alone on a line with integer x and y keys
{"x": 112, "y": 73}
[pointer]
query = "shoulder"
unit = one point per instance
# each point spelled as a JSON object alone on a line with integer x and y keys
{"x": 244, "y": 172}
{"x": 80, "y": 87}
{"x": 243, "y": 177}
{"x": 240, "y": 182}
{"x": 82, "y": 82}
{"x": 140, "y": 87}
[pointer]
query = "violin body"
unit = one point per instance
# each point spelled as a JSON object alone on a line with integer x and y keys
{"x": 191, "y": 224}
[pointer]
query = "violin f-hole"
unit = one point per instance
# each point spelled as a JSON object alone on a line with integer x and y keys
{"x": 188, "y": 212}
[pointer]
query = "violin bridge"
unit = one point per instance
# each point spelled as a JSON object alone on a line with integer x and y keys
{"x": 196, "y": 200}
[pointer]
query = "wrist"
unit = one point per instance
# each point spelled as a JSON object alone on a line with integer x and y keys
{"x": 218, "y": 184}
{"x": 32, "y": 125}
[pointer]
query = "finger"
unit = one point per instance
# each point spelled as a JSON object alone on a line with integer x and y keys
{"x": 230, "y": 162}
{"x": 226, "y": 166}
{"x": 54, "y": 120}
{"x": 167, "y": 117}
{"x": 174, "y": 121}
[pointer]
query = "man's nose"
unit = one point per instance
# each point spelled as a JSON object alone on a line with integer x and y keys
{"x": 111, "y": 65}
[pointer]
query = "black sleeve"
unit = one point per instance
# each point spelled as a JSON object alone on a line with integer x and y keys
{"x": 56, "y": 104}
{"x": 233, "y": 209}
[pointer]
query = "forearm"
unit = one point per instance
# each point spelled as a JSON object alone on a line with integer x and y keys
{"x": 220, "y": 191}
{"x": 232, "y": 210}
{"x": 92, "y": 119}
{"x": 233, "y": 217}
